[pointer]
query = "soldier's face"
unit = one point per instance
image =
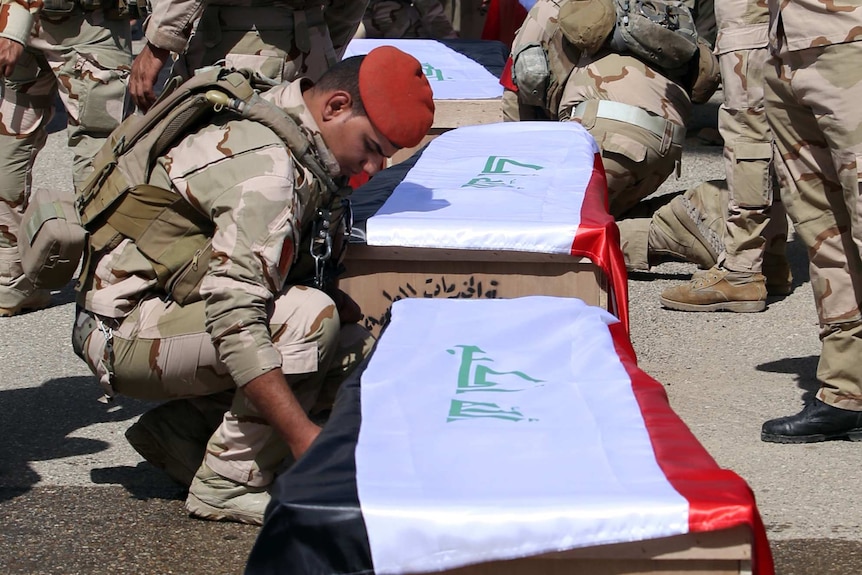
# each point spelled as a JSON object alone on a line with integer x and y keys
{"x": 359, "y": 147}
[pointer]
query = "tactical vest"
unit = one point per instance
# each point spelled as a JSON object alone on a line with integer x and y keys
{"x": 116, "y": 202}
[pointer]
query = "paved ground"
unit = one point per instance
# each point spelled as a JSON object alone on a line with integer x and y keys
{"x": 74, "y": 498}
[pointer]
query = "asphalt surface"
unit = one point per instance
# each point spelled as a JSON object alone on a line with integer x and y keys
{"x": 75, "y": 498}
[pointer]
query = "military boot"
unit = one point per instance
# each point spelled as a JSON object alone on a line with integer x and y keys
{"x": 39, "y": 299}
{"x": 218, "y": 498}
{"x": 779, "y": 279}
{"x": 174, "y": 435}
{"x": 718, "y": 289}
{"x": 690, "y": 227}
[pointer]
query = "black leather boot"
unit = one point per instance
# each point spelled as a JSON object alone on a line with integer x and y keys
{"x": 816, "y": 422}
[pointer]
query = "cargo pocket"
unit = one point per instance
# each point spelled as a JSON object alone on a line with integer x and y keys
{"x": 752, "y": 181}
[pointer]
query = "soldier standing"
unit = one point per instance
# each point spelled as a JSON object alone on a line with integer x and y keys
{"x": 753, "y": 263}
{"x": 258, "y": 324}
{"x": 813, "y": 89}
{"x": 280, "y": 39}
{"x": 81, "y": 50}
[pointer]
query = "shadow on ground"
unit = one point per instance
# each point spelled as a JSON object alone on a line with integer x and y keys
{"x": 37, "y": 424}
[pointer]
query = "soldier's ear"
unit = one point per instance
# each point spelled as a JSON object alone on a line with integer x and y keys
{"x": 337, "y": 103}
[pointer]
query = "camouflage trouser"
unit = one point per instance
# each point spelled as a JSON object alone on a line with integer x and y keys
{"x": 637, "y": 160}
{"x": 812, "y": 104}
{"x": 395, "y": 19}
{"x": 756, "y": 220}
{"x": 279, "y": 42}
{"x": 84, "y": 57}
{"x": 162, "y": 351}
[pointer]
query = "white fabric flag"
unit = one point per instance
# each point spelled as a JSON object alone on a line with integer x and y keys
{"x": 452, "y": 76}
{"x": 512, "y": 186}
{"x": 496, "y": 429}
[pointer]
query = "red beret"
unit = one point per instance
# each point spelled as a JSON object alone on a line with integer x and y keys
{"x": 396, "y": 95}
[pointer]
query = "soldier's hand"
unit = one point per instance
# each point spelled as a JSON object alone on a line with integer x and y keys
{"x": 10, "y": 51}
{"x": 145, "y": 72}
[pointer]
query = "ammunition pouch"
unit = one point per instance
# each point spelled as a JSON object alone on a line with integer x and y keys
{"x": 705, "y": 74}
{"x": 660, "y": 32}
{"x": 531, "y": 74}
{"x": 52, "y": 239}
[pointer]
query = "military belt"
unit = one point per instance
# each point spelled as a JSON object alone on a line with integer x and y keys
{"x": 635, "y": 116}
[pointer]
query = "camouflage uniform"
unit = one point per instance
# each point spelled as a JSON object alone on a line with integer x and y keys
{"x": 638, "y": 155}
{"x": 273, "y": 37}
{"x": 405, "y": 19}
{"x": 742, "y": 50}
{"x": 242, "y": 175}
{"x": 813, "y": 90}
{"x": 85, "y": 56}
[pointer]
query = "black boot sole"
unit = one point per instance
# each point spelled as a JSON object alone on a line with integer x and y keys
{"x": 852, "y": 435}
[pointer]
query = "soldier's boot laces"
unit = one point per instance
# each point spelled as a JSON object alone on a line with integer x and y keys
{"x": 718, "y": 289}
{"x": 174, "y": 435}
{"x": 779, "y": 279}
{"x": 683, "y": 230}
{"x": 218, "y": 498}
{"x": 39, "y": 299}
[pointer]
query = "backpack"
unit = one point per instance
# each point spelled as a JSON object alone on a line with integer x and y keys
{"x": 116, "y": 203}
{"x": 661, "y": 32}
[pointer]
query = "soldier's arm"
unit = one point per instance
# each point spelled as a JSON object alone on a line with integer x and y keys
{"x": 16, "y": 22}
{"x": 434, "y": 19}
{"x": 168, "y": 29}
{"x": 242, "y": 177}
{"x": 273, "y": 398}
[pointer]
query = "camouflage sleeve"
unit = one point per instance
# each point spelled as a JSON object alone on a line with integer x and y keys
{"x": 16, "y": 19}
{"x": 170, "y": 22}
{"x": 434, "y": 19}
{"x": 242, "y": 176}
{"x": 342, "y": 18}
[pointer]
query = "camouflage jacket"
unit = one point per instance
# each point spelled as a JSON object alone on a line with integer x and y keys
{"x": 242, "y": 177}
{"x": 810, "y": 23}
{"x": 17, "y": 18}
{"x": 171, "y": 21}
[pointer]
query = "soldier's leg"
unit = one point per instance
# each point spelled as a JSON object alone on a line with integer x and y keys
{"x": 25, "y": 109}
{"x": 244, "y": 453}
{"x": 818, "y": 162}
{"x": 162, "y": 351}
{"x": 91, "y": 56}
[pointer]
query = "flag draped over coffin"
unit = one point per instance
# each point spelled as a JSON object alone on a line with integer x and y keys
{"x": 520, "y": 186}
{"x": 487, "y": 430}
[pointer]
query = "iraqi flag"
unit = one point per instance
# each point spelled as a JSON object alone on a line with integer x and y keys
{"x": 489, "y": 430}
{"x": 519, "y": 186}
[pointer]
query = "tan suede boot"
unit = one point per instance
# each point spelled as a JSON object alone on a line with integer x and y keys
{"x": 218, "y": 498}
{"x": 718, "y": 289}
{"x": 37, "y": 300}
{"x": 690, "y": 227}
{"x": 776, "y": 269}
{"x": 173, "y": 436}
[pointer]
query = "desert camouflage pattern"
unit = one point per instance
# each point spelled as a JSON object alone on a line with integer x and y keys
{"x": 282, "y": 40}
{"x": 249, "y": 322}
{"x": 163, "y": 352}
{"x": 252, "y": 201}
{"x": 86, "y": 59}
{"x": 756, "y": 220}
{"x": 636, "y": 160}
{"x": 813, "y": 90}
{"x": 404, "y": 19}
